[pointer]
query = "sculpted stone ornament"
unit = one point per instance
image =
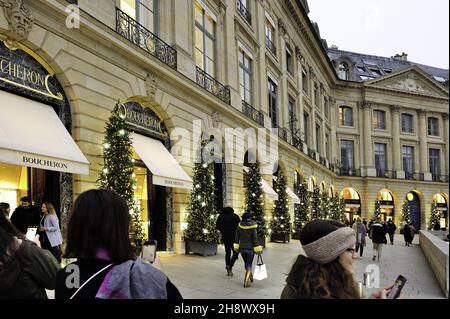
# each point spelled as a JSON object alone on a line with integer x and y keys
{"x": 445, "y": 116}
{"x": 216, "y": 119}
{"x": 151, "y": 86}
{"x": 365, "y": 105}
{"x": 395, "y": 109}
{"x": 282, "y": 27}
{"x": 19, "y": 18}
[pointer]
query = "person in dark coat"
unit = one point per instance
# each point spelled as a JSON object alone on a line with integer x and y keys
{"x": 227, "y": 223}
{"x": 25, "y": 215}
{"x": 406, "y": 230}
{"x": 5, "y": 209}
{"x": 26, "y": 270}
{"x": 391, "y": 230}
{"x": 378, "y": 231}
{"x": 246, "y": 242}
{"x": 326, "y": 270}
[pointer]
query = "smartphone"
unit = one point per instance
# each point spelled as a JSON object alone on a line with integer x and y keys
{"x": 149, "y": 251}
{"x": 31, "y": 232}
{"x": 397, "y": 288}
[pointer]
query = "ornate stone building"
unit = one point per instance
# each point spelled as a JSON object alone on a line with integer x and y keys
{"x": 368, "y": 128}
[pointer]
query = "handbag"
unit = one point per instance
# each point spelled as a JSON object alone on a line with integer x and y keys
{"x": 260, "y": 271}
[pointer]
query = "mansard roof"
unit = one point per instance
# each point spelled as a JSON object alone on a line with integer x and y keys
{"x": 366, "y": 66}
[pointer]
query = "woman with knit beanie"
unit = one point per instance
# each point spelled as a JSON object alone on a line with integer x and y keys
{"x": 326, "y": 272}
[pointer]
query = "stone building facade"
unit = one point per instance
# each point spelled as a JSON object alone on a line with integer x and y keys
{"x": 239, "y": 64}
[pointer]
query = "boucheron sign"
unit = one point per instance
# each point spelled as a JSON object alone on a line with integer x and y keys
{"x": 22, "y": 72}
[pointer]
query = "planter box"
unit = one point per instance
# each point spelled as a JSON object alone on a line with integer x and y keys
{"x": 280, "y": 237}
{"x": 201, "y": 248}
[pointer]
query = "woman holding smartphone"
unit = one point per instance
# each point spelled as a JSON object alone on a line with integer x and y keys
{"x": 49, "y": 228}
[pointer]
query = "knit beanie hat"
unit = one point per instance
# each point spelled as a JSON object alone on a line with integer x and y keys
{"x": 324, "y": 240}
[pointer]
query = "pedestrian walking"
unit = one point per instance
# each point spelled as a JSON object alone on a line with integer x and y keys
{"x": 413, "y": 232}
{"x": 360, "y": 231}
{"x": 326, "y": 272}
{"x": 5, "y": 209}
{"x": 378, "y": 231}
{"x": 49, "y": 228}
{"x": 247, "y": 244}
{"x": 391, "y": 230}
{"x": 25, "y": 269}
{"x": 98, "y": 237}
{"x": 406, "y": 230}
{"x": 25, "y": 215}
{"x": 364, "y": 221}
{"x": 227, "y": 223}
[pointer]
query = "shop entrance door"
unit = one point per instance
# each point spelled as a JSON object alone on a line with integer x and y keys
{"x": 158, "y": 214}
{"x": 414, "y": 208}
{"x": 44, "y": 186}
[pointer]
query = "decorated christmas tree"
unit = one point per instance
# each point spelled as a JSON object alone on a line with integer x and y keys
{"x": 377, "y": 210}
{"x": 117, "y": 173}
{"x": 341, "y": 210}
{"x": 280, "y": 223}
{"x": 254, "y": 199}
{"x": 434, "y": 222}
{"x": 406, "y": 213}
{"x": 301, "y": 211}
{"x": 202, "y": 212}
{"x": 316, "y": 207}
{"x": 325, "y": 205}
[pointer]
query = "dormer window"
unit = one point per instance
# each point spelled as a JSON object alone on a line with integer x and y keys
{"x": 343, "y": 71}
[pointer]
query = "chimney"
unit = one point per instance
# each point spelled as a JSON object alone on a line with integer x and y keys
{"x": 401, "y": 57}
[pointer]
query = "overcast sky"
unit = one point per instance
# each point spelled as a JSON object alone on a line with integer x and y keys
{"x": 386, "y": 27}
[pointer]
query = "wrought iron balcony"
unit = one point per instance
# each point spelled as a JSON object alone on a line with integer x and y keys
{"x": 271, "y": 46}
{"x": 213, "y": 86}
{"x": 311, "y": 153}
{"x": 244, "y": 11}
{"x": 283, "y": 134}
{"x": 146, "y": 40}
{"x": 386, "y": 174}
{"x": 344, "y": 171}
{"x": 439, "y": 178}
{"x": 323, "y": 160}
{"x": 252, "y": 113}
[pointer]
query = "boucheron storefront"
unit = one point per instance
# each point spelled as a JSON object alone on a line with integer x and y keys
{"x": 38, "y": 155}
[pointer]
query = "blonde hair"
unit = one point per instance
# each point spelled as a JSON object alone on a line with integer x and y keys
{"x": 50, "y": 208}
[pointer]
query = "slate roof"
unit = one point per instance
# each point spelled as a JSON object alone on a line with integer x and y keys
{"x": 364, "y": 62}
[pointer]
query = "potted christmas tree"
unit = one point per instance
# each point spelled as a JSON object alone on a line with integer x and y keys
{"x": 201, "y": 236}
{"x": 117, "y": 173}
{"x": 301, "y": 216}
{"x": 280, "y": 224}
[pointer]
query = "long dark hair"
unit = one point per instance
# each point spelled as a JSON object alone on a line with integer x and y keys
{"x": 99, "y": 220}
{"x": 8, "y": 235}
{"x": 323, "y": 281}
{"x": 315, "y": 280}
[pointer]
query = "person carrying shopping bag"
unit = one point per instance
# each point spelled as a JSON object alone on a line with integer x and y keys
{"x": 247, "y": 244}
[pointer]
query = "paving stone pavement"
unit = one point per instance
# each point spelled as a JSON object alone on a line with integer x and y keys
{"x": 200, "y": 277}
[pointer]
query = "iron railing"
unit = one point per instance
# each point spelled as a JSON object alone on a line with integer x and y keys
{"x": 74, "y": 2}
{"x": 344, "y": 171}
{"x": 252, "y": 113}
{"x": 323, "y": 160}
{"x": 282, "y": 133}
{"x": 271, "y": 46}
{"x": 386, "y": 174}
{"x": 439, "y": 178}
{"x": 414, "y": 176}
{"x": 244, "y": 11}
{"x": 213, "y": 86}
{"x": 311, "y": 153}
{"x": 146, "y": 40}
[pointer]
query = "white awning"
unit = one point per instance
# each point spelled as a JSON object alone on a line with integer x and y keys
{"x": 32, "y": 135}
{"x": 292, "y": 195}
{"x": 265, "y": 187}
{"x": 164, "y": 167}
{"x": 353, "y": 205}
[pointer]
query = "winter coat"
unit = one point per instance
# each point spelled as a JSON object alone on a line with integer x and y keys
{"x": 406, "y": 230}
{"x": 391, "y": 228}
{"x": 378, "y": 233}
{"x": 28, "y": 272}
{"x": 227, "y": 224}
{"x": 360, "y": 231}
{"x": 24, "y": 217}
{"x": 53, "y": 232}
{"x": 247, "y": 237}
{"x": 133, "y": 279}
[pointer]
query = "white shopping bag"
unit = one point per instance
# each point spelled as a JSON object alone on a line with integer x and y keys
{"x": 260, "y": 271}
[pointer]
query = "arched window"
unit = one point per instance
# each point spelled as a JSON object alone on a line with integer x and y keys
{"x": 331, "y": 191}
{"x": 323, "y": 187}
{"x": 343, "y": 71}
{"x": 312, "y": 183}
